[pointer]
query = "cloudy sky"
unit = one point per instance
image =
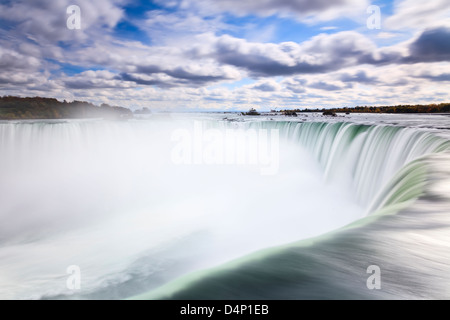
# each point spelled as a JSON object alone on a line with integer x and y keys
{"x": 227, "y": 54}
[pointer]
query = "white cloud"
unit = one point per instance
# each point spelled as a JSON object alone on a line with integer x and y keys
{"x": 386, "y": 35}
{"x": 45, "y": 22}
{"x": 329, "y": 28}
{"x": 303, "y": 10}
{"x": 417, "y": 14}
{"x": 190, "y": 62}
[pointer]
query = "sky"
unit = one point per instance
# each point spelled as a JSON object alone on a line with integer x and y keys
{"x": 227, "y": 55}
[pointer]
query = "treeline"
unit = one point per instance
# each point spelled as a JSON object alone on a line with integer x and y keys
{"x": 12, "y": 108}
{"x": 428, "y": 108}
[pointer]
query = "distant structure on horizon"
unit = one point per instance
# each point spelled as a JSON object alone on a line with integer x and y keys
{"x": 251, "y": 112}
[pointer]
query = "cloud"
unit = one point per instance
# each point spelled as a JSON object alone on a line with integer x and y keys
{"x": 417, "y": 14}
{"x": 11, "y": 60}
{"x": 359, "y": 77}
{"x": 439, "y": 78}
{"x": 329, "y": 28}
{"x": 185, "y": 73}
{"x": 432, "y": 45}
{"x": 18, "y": 70}
{"x": 295, "y": 85}
{"x": 198, "y": 54}
{"x": 322, "y": 85}
{"x": 12, "y": 79}
{"x": 200, "y": 73}
{"x": 267, "y": 86}
{"x": 304, "y": 10}
{"x": 387, "y": 35}
{"x": 94, "y": 80}
{"x": 323, "y": 53}
{"x": 45, "y": 22}
{"x": 174, "y": 27}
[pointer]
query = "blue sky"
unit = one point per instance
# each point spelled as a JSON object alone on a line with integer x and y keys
{"x": 227, "y": 54}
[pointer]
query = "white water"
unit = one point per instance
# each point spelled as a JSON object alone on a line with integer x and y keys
{"x": 105, "y": 196}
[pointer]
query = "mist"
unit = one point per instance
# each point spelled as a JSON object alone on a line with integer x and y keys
{"x": 108, "y": 197}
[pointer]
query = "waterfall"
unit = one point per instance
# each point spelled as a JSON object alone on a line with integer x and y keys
{"x": 391, "y": 170}
{"x": 369, "y": 157}
{"x": 107, "y": 196}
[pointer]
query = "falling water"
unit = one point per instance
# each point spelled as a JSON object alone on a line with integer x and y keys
{"x": 109, "y": 197}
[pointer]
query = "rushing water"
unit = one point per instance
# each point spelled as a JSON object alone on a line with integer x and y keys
{"x": 113, "y": 199}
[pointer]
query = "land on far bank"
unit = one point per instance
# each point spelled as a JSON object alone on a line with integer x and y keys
{"x": 17, "y": 108}
{"x": 419, "y": 108}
